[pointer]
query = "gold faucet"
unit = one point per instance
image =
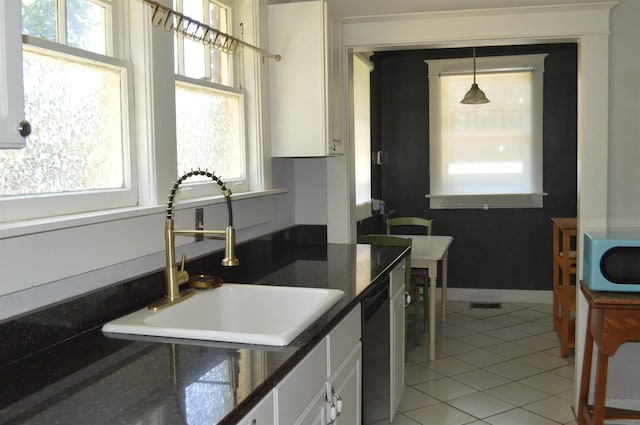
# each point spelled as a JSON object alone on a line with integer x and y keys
{"x": 174, "y": 277}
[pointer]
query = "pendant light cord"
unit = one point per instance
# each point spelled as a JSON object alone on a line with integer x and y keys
{"x": 474, "y": 65}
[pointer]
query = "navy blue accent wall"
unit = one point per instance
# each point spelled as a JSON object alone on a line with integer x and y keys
{"x": 497, "y": 248}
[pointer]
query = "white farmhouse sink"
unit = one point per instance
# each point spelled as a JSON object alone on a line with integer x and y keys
{"x": 244, "y": 313}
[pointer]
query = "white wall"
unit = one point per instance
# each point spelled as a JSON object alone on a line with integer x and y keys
{"x": 310, "y": 190}
{"x": 624, "y": 117}
{"x": 305, "y": 180}
{"x": 53, "y": 264}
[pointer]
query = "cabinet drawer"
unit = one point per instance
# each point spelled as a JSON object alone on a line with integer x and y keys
{"x": 301, "y": 385}
{"x": 343, "y": 337}
{"x": 262, "y": 414}
{"x": 397, "y": 278}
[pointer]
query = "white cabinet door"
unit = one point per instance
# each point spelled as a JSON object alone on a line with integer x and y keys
{"x": 334, "y": 90}
{"x": 343, "y": 338}
{"x": 397, "y": 282}
{"x": 299, "y": 389}
{"x": 11, "y": 88}
{"x": 331, "y": 371}
{"x": 262, "y": 414}
{"x": 302, "y": 97}
{"x": 345, "y": 389}
{"x": 316, "y": 412}
{"x": 344, "y": 386}
{"x": 398, "y": 336}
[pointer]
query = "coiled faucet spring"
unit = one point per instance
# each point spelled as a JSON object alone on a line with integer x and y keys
{"x": 226, "y": 192}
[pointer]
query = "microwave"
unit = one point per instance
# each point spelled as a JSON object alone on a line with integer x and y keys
{"x": 611, "y": 261}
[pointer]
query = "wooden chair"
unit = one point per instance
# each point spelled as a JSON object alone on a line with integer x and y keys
{"x": 409, "y": 226}
{"x": 411, "y": 289}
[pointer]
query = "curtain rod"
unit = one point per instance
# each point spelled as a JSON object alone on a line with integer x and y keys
{"x": 182, "y": 25}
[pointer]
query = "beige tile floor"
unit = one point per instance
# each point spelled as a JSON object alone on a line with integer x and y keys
{"x": 494, "y": 366}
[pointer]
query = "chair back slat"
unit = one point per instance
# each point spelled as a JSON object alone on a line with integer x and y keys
{"x": 410, "y": 221}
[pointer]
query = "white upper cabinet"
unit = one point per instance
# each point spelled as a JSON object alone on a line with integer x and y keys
{"x": 13, "y": 128}
{"x": 305, "y": 86}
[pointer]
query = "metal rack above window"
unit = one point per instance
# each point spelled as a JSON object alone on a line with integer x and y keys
{"x": 184, "y": 26}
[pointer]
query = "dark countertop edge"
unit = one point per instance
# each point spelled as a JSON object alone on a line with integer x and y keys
{"x": 320, "y": 332}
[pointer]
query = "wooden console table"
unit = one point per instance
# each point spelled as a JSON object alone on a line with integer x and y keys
{"x": 614, "y": 318}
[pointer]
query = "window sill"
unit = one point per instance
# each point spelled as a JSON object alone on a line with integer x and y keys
{"x": 486, "y": 201}
{"x": 27, "y": 227}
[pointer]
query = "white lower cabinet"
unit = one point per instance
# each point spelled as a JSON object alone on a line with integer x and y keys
{"x": 324, "y": 388}
{"x": 344, "y": 390}
{"x": 315, "y": 413}
{"x": 344, "y": 384}
{"x": 262, "y": 414}
{"x": 397, "y": 294}
{"x": 298, "y": 391}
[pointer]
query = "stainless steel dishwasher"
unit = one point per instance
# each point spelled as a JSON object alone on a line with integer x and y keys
{"x": 376, "y": 356}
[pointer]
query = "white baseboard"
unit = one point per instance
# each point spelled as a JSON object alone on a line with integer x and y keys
{"x": 500, "y": 295}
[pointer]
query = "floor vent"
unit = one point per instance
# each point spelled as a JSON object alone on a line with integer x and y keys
{"x": 486, "y": 305}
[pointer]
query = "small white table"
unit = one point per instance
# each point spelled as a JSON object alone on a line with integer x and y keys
{"x": 426, "y": 251}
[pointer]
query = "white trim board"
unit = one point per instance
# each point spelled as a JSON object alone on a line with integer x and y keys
{"x": 500, "y": 295}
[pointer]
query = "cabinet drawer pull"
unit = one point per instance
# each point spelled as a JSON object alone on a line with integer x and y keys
{"x": 338, "y": 402}
{"x": 333, "y": 412}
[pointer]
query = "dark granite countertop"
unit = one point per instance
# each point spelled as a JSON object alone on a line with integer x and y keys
{"x": 91, "y": 378}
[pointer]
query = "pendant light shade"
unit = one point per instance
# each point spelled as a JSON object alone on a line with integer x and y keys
{"x": 474, "y": 96}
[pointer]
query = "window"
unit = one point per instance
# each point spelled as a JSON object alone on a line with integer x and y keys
{"x": 199, "y": 61}
{"x": 90, "y": 142}
{"x": 209, "y": 106}
{"x": 487, "y": 155}
{"x": 78, "y": 157}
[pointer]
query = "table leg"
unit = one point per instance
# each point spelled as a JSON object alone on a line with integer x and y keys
{"x": 433, "y": 277}
{"x": 600, "y": 389}
{"x": 583, "y": 401}
{"x": 556, "y": 278}
{"x": 445, "y": 261}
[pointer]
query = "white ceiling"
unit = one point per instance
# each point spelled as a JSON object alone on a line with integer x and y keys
{"x": 354, "y": 8}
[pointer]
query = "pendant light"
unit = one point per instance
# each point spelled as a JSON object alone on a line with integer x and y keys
{"x": 474, "y": 96}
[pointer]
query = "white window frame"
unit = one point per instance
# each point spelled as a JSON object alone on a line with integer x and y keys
{"x": 231, "y": 6}
{"x": 189, "y": 189}
{"x": 37, "y": 206}
{"x": 192, "y": 190}
{"x": 439, "y": 196}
